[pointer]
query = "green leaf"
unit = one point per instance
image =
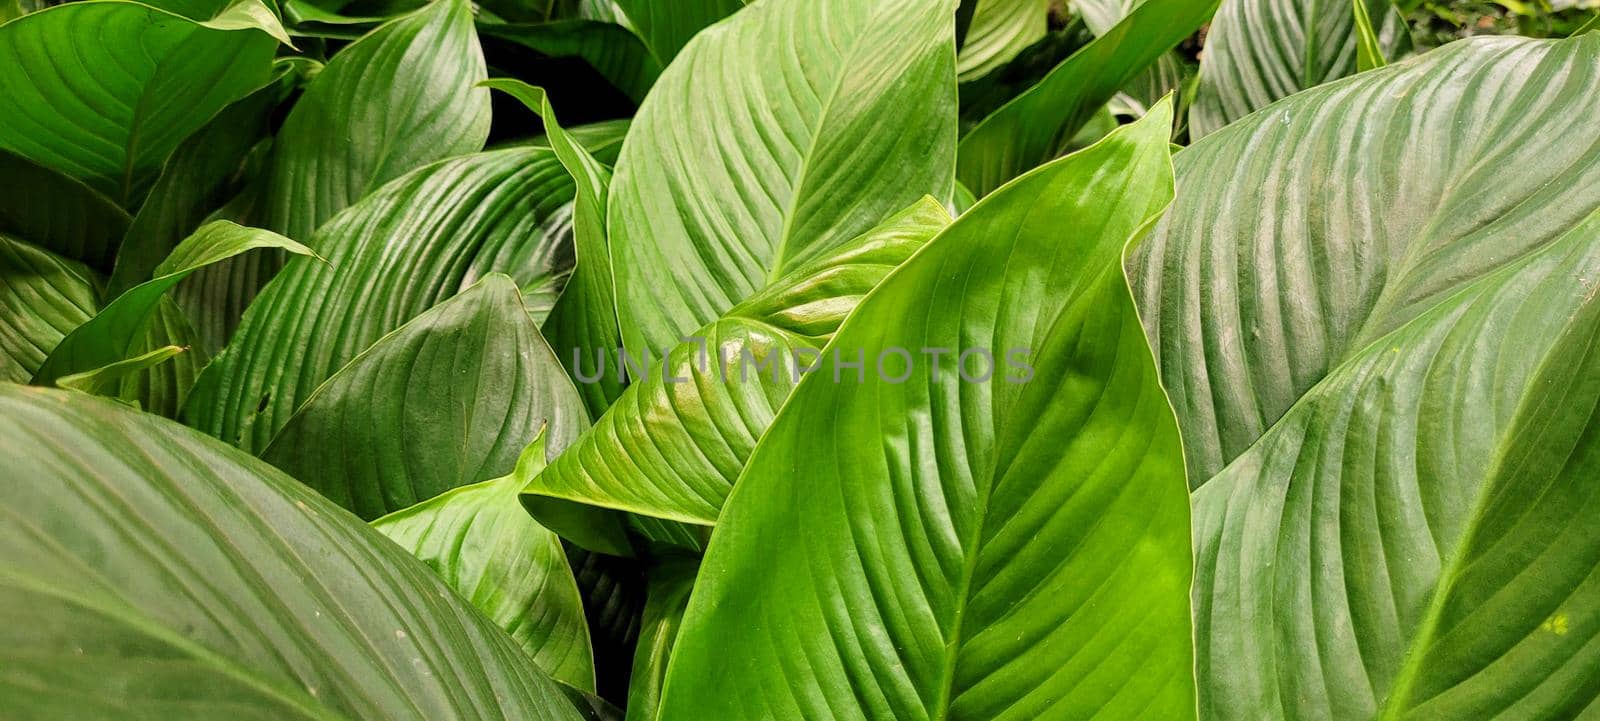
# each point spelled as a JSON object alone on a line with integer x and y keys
{"x": 1170, "y": 72}
{"x": 610, "y": 49}
{"x": 150, "y": 571}
{"x": 676, "y": 440}
{"x": 667, "y": 27}
{"x": 843, "y": 113}
{"x": 1036, "y": 125}
{"x": 479, "y": 540}
{"x": 59, "y": 213}
{"x": 1258, "y": 51}
{"x": 585, "y": 318}
{"x": 415, "y": 242}
{"x": 112, "y": 334}
{"x": 944, "y": 548}
{"x": 42, "y": 298}
{"x": 200, "y": 177}
{"x": 1418, "y": 517}
{"x": 447, "y": 400}
{"x": 112, "y": 130}
{"x": 107, "y": 380}
{"x": 999, "y": 30}
{"x": 400, "y": 98}
{"x": 1369, "y": 48}
{"x": 671, "y": 580}
{"x": 1324, "y": 222}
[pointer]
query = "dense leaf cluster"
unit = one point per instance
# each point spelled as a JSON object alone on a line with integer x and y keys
{"x": 823, "y": 359}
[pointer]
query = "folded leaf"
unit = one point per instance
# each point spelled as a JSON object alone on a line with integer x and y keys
{"x": 66, "y": 109}
{"x": 676, "y": 440}
{"x": 113, "y": 333}
{"x": 479, "y": 540}
{"x": 586, "y": 315}
{"x": 107, "y": 380}
{"x": 59, "y": 213}
{"x": 1258, "y": 51}
{"x": 143, "y": 570}
{"x": 671, "y": 580}
{"x": 961, "y": 541}
{"x": 1036, "y": 125}
{"x": 417, "y": 241}
{"x": 42, "y": 298}
{"x": 1304, "y": 233}
{"x": 447, "y": 400}
{"x": 843, "y": 113}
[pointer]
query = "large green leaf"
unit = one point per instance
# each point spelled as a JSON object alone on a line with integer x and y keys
{"x": 843, "y": 113}
{"x": 1413, "y": 540}
{"x": 676, "y": 440}
{"x": 447, "y": 400}
{"x": 415, "y": 242}
{"x": 104, "y": 91}
{"x": 42, "y": 298}
{"x": 481, "y": 542}
{"x": 999, "y": 30}
{"x": 666, "y": 27}
{"x": 1168, "y": 74}
{"x": 988, "y": 547}
{"x": 59, "y": 213}
{"x": 148, "y": 571}
{"x": 1037, "y": 125}
{"x": 113, "y": 333}
{"x": 585, "y": 317}
{"x": 1258, "y": 51}
{"x": 395, "y": 100}
{"x": 1301, "y": 235}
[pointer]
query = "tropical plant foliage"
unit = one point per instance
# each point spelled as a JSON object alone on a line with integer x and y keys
{"x": 799, "y": 359}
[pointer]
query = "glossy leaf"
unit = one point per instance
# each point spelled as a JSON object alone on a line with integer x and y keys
{"x": 417, "y": 241}
{"x": 844, "y": 115}
{"x": 945, "y": 548}
{"x": 64, "y": 109}
{"x": 1388, "y": 193}
{"x": 479, "y": 540}
{"x": 143, "y": 571}
{"x": 673, "y": 444}
{"x": 585, "y": 318}
{"x": 999, "y": 30}
{"x": 42, "y": 298}
{"x": 58, "y": 213}
{"x": 399, "y": 98}
{"x": 372, "y": 438}
{"x": 1036, "y": 125}
{"x": 1369, "y": 47}
{"x": 1258, "y": 51}
{"x": 111, "y": 335}
{"x": 107, "y": 380}
{"x": 667, "y": 27}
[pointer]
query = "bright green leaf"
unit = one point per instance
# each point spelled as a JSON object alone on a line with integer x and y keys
{"x": 946, "y": 548}
{"x": 107, "y": 380}
{"x": 999, "y": 30}
{"x": 112, "y": 334}
{"x": 842, "y": 112}
{"x": 671, "y": 580}
{"x": 676, "y": 440}
{"x": 1369, "y": 48}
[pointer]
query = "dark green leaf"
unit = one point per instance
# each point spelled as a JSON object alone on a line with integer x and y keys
{"x": 615, "y": 53}
{"x": 42, "y": 298}
{"x": 667, "y": 26}
{"x": 59, "y": 213}
{"x": 148, "y": 571}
